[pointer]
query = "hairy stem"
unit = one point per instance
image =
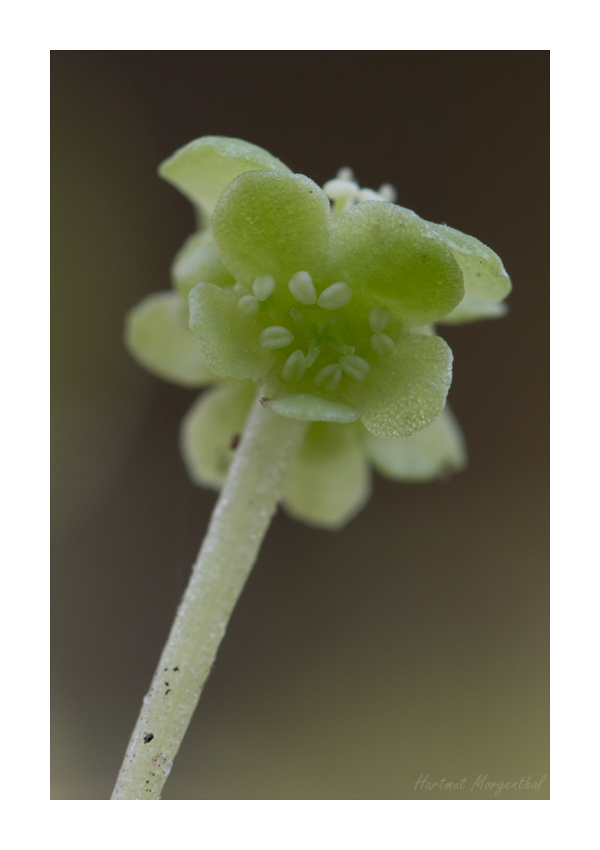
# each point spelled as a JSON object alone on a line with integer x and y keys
{"x": 239, "y": 522}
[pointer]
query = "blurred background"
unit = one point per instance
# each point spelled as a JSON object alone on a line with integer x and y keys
{"x": 412, "y": 644}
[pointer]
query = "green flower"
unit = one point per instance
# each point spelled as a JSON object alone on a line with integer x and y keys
{"x": 328, "y": 309}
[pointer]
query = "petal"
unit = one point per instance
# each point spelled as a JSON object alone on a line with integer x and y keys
{"x": 157, "y": 336}
{"x": 329, "y": 481}
{"x": 391, "y": 258}
{"x": 229, "y": 338}
{"x": 268, "y": 222}
{"x": 199, "y": 261}
{"x": 204, "y": 168}
{"x": 435, "y": 450}
{"x": 406, "y": 390}
{"x": 472, "y": 310}
{"x": 209, "y": 428}
{"x": 486, "y": 281}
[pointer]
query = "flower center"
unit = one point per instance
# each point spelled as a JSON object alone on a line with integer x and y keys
{"x": 332, "y": 344}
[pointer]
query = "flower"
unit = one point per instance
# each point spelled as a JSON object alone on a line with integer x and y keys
{"x": 330, "y": 310}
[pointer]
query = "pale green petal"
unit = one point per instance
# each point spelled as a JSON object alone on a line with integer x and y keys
{"x": 329, "y": 481}
{"x": 407, "y": 389}
{"x": 204, "y": 168}
{"x": 472, "y": 310}
{"x": 272, "y": 223}
{"x": 210, "y": 428}
{"x": 436, "y": 450}
{"x": 199, "y": 261}
{"x": 229, "y": 339}
{"x": 392, "y": 259}
{"x": 486, "y": 281}
{"x": 157, "y": 336}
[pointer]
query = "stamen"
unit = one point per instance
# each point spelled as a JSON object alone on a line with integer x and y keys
{"x": 328, "y": 379}
{"x": 302, "y": 288}
{"x": 313, "y": 353}
{"x": 369, "y": 195}
{"x": 275, "y": 337}
{"x": 263, "y": 286}
{"x": 335, "y": 296}
{"x": 294, "y": 367}
{"x": 379, "y": 319}
{"x": 387, "y": 191}
{"x": 345, "y": 173}
{"x": 382, "y": 344}
{"x": 357, "y": 367}
{"x": 238, "y": 288}
{"x": 248, "y": 305}
{"x": 341, "y": 189}
{"x": 302, "y": 321}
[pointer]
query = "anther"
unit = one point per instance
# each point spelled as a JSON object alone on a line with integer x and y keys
{"x": 302, "y": 288}
{"x": 263, "y": 286}
{"x": 387, "y": 191}
{"x": 379, "y": 319}
{"x": 369, "y": 195}
{"x": 340, "y": 189}
{"x": 275, "y": 337}
{"x": 248, "y": 305}
{"x": 382, "y": 344}
{"x": 294, "y": 367}
{"x": 345, "y": 173}
{"x": 335, "y": 296}
{"x": 328, "y": 379}
{"x": 357, "y": 367}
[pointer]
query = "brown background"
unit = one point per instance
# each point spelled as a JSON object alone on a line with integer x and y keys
{"x": 413, "y": 643}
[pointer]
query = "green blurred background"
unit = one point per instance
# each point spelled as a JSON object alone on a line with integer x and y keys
{"x": 415, "y": 642}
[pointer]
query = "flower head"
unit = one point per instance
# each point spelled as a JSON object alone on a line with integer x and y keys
{"x": 329, "y": 309}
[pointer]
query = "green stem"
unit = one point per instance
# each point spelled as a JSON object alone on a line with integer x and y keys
{"x": 239, "y": 522}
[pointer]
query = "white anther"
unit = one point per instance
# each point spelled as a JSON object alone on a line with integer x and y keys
{"x": 329, "y": 378}
{"x": 387, "y": 191}
{"x": 382, "y": 344}
{"x": 263, "y": 286}
{"x": 357, "y": 367}
{"x": 341, "y": 189}
{"x": 238, "y": 288}
{"x": 369, "y": 195}
{"x": 345, "y": 173}
{"x": 302, "y": 288}
{"x": 275, "y": 337}
{"x": 379, "y": 319}
{"x": 248, "y": 305}
{"x": 294, "y": 367}
{"x": 335, "y": 296}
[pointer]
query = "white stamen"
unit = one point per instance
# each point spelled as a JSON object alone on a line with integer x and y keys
{"x": 238, "y": 288}
{"x": 329, "y": 378}
{"x": 275, "y": 337}
{"x": 369, "y": 195}
{"x": 263, "y": 286}
{"x": 335, "y": 296}
{"x": 357, "y": 367}
{"x": 313, "y": 352}
{"x": 387, "y": 191}
{"x": 339, "y": 189}
{"x": 345, "y": 173}
{"x": 248, "y": 305}
{"x": 379, "y": 319}
{"x": 302, "y": 288}
{"x": 294, "y": 367}
{"x": 382, "y": 344}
